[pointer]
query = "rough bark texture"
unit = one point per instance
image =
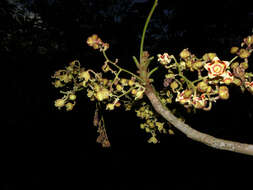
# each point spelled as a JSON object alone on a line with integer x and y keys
{"x": 194, "y": 134}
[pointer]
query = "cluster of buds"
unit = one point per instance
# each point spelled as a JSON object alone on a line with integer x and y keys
{"x": 95, "y": 42}
{"x": 151, "y": 124}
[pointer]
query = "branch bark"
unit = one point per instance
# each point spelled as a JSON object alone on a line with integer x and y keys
{"x": 192, "y": 133}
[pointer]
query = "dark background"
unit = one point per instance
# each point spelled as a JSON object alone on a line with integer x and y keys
{"x": 44, "y": 148}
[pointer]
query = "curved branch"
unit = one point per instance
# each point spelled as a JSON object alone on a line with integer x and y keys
{"x": 194, "y": 134}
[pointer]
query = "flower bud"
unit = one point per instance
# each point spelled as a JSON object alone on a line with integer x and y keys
{"x": 248, "y": 40}
{"x": 119, "y": 87}
{"x": 243, "y": 53}
{"x": 209, "y": 56}
{"x": 223, "y": 92}
{"x": 209, "y": 89}
{"x": 58, "y": 84}
{"x": 124, "y": 82}
{"x": 174, "y": 85}
{"x": 105, "y": 81}
{"x": 202, "y": 86}
{"x": 69, "y": 106}
{"x": 130, "y": 82}
{"x": 234, "y": 65}
{"x": 168, "y": 93}
{"x": 187, "y": 93}
{"x": 134, "y": 91}
{"x": 72, "y": 96}
{"x": 212, "y": 55}
{"x": 184, "y": 54}
{"x": 169, "y": 76}
{"x": 109, "y": 106}
{"x": 84, "y": 75}
{"x": 153, "y": 140}
{"x": 189, "y": 64}
{"x": 237, "y": 81}
{"x": 244, "y": 65}
{"x": 234, "y": 50}
{"x": 198, "y": 65}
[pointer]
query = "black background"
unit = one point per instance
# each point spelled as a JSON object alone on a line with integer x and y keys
{"x": 44, "y": 148}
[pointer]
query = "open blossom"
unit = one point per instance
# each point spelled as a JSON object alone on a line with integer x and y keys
{"x": 164, "y": 59}
{"x": 217, "y": 68}
{"x": 199, "y": 102}
{"x": 228, "y": 78}
{"x": 182, "y": 99}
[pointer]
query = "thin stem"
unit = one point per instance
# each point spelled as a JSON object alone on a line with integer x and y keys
{"x": 200, "y": 79}
{"x": 145, "y": 28}
{"x": 129, "y": 90}
{"x": 116, "y": 76}
{"x": 180, "y": 73}
{"x": 233, "y": 59}
{"x": 107, "y": 59}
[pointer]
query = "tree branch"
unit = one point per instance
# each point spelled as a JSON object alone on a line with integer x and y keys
{"x": 192, "y": 133}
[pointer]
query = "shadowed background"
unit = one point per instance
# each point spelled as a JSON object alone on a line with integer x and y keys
{"x": 44, "y": 148}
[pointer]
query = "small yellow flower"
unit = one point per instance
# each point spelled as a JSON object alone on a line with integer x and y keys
{"x": 244, "y": 65}
{"x": 202, "y": 86}
{"x": 174, "y": 85}
{"x": 124, "y": 82}
{"x": 59, "y": 103}
{"x": 234, "y": 65}
{"x": 237, "y": 81}
{"x": 102, "y": 94}
{"x": 131, "y": 82}
{"x": 198, "y": 65}
{"x": 234, "y": 50}
{"x": 184, "y": 53}
{"x": 159, "y": 126}
{"x": 248, "y": 40}
{"x": 171, "y": 132}
{"x": 139, "y": 94}
{"x": 119, "y": 87}
{"x": 223, "y": 92}
{"x": 90, "y": 93}
{"x": 69, "y": 106}
{"x": 243, "y": 53}
{"x": 209, "y": 56}
{"x": 110, "y": 106}
{"x": 84, "y": 75}
{"x": 134, "y": 91}
{"x": 72, "y": 96}
{"x": 153, "y": 140}
{"x": 58, "y": 84}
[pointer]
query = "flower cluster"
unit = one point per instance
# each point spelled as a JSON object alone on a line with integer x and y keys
{"x": 213, "y": 76}
{"x": 95, "y": 42}
{"x": 113, "y": 92}
{"x": 151, "y": 125}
